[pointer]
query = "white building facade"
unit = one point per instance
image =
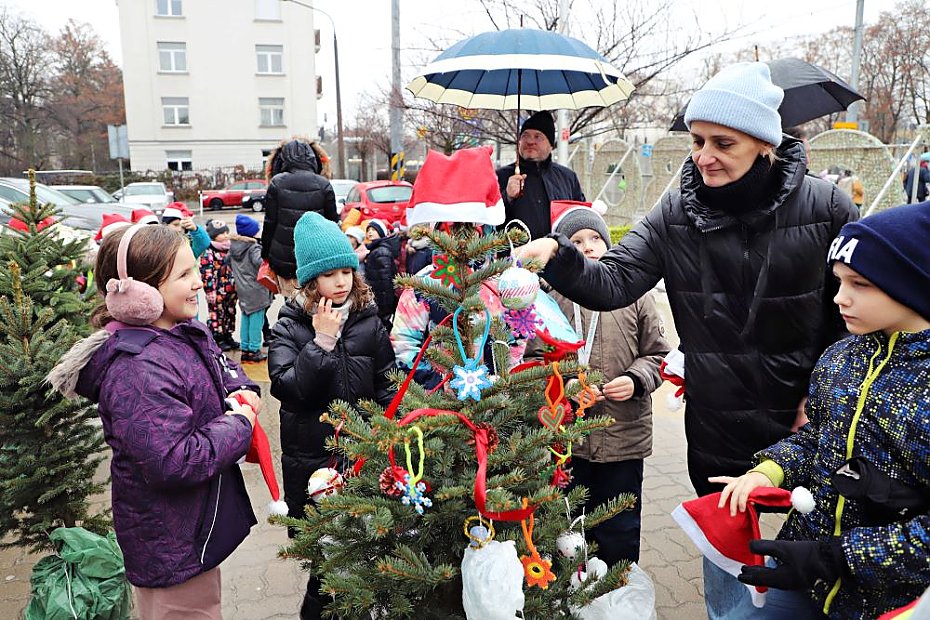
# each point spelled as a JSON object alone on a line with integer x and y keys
{"x": 212, "y": 83}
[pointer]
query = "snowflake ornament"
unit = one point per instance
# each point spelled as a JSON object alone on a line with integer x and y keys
{"x": 470, "y": 379}
{"x": 522, "y": 323}
{"x": 413, "y": 494}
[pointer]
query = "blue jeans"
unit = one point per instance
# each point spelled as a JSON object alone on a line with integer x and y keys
{"x": 251, "y": 331}
{"x": 727, "y": 598}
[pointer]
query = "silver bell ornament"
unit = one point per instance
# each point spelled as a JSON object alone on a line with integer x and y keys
{"x": 517, "y": 288}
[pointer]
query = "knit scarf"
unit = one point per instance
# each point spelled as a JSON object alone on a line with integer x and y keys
{"x": 744, "y": 194}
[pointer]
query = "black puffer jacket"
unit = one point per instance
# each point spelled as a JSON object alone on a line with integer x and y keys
{"x": 751, "y": 298}
{"x": 291, "y": 194}
{"x": 559, "y": 183}
{"x": 306, "y": 379}
{"x": 380, "y": 270}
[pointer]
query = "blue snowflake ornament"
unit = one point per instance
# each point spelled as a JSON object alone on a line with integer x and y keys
{"x": 413, "y": 494}
{"x": 470, "y": 379}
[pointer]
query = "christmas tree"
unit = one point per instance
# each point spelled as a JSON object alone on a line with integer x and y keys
{"x": 440, "y": 471}
{"x": 50, "y": 446}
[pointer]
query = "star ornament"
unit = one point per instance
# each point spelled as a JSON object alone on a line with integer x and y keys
{"x": 470, "y": 379}
{"x": 537, "y": 570}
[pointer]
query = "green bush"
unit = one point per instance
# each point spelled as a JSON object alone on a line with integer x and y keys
{"x": 617, "y": 232}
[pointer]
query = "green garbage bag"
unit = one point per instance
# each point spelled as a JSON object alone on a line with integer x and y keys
{"x": 85, "y": 580}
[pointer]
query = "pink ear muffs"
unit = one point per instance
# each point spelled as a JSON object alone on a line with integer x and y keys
{"x": 130, "y": 301}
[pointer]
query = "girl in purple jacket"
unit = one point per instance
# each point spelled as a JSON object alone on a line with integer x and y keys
{"x": 160, "y": 383}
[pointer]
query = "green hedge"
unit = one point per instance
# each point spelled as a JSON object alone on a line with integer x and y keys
{"x": 617, "y": 232}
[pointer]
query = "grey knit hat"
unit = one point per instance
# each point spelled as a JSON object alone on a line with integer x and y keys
{"x": 740, "y": 97}
{"x": 579, "y": 218}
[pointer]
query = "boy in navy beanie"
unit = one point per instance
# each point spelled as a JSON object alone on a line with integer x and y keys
{"x": 863, "y": 454}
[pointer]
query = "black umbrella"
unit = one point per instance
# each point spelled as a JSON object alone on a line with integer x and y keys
{"x": 810, "y": 92}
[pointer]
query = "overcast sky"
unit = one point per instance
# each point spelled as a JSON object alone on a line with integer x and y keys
{"x": 364, "y": 29}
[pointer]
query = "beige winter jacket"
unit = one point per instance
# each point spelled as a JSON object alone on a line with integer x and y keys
{"x": 631, "y": 339}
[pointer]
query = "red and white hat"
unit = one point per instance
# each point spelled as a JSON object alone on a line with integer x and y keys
{"x": 461, "y": 187}
{"x": 143, "y": 216}
{"x": 724, "y": 539}
{"x": 111, "y": 223}
{"x": 260, "y": 453}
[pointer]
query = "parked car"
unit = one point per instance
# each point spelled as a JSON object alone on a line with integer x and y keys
{"x": 254, "y": 199}
{"x": 153, "y": 195}
{"x": 384, "y": 200}
{"x": 86, "y": 193}
{"x": 342, "y": 187}
{"x": 84, "y": 216}
{"x": 231, "y": 196}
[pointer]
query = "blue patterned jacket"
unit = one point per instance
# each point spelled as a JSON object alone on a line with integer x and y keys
{"x": 870, "y": 397}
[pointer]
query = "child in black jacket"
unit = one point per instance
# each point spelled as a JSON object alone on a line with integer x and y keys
{"x": 381, "y": 267}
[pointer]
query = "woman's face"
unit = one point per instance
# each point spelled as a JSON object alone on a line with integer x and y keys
{"x": 723, "y": 155}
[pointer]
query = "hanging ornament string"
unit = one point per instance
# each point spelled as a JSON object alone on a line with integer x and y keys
{"x": 584, "y": 354}
{"x": 417, "y": 475}
{"x": 412, "y": 488}
{"x": 586, "y": 397}
{"x": 538, "y": 571}
{"x": 458, "y": 337}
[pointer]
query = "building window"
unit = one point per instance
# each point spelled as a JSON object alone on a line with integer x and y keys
{"x": 176, "y": 110}
{"x": 168, "y": 8}
{"x": 271, "y": 111}
{"x": 179, "y": 160}
{"x": 270, "y": 58}
{"x": 267, "y": 9}
{"x": 172, "y": 57}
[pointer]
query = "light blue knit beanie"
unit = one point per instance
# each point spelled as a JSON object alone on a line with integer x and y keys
{"x": 740, "y": 97}
{"x": 320, "y": 246}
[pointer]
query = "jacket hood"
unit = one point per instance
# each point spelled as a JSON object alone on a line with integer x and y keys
{"x": 789, "y": 170}
{"x": 295, "y": 155}
{"x": 239, "y": 246}
{"x": 392, "y": 241}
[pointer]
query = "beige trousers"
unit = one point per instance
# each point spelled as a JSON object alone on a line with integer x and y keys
{"x": 198, "y": 598}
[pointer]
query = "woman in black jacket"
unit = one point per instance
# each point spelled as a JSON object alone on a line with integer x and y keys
{"x": 295, "y": 187}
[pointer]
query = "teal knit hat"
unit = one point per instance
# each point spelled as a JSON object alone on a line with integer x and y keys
{"x": 320, "y": 246}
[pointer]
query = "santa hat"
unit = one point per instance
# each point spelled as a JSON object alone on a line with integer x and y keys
{"x": 111, "y": 223}
{"x": 143, "y": 216}
{"x": 170, "y": 214}
{"x": 260, "y": 452}
{"x": 724, "y": 539}
{"x": 18, "y": 224}
{"x": 180, "y": 206}
{"x": 462, "y": 187}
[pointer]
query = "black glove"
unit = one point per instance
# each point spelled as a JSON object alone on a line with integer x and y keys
{"x": 801, "y": 563}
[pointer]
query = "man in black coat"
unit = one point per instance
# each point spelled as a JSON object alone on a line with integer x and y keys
{"x": 527, "y": 195}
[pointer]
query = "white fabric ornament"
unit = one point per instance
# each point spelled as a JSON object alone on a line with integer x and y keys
{"x": 570, "y": 544}
{"x": 595, "y": 567}
{"x": 492, "y": 582}
{"x": 324, "y": 482}
{"x": 518, "y": 288}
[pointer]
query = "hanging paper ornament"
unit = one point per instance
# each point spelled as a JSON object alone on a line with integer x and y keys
{"x": 634, "y": 601}
{"x": 517, "y": 288}
{"x": 594, "y": 567}
{"x": 522, "y": 323}
{"x": 570, "y": 544}
{"x": 492, "y": 582}
{"x": 471, "y": 377}
{"x": 447, "y": 271}
{"x": 324, "y": 482}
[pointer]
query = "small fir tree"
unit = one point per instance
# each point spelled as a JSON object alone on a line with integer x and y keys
{"x": 374, "y": 552}
{"x": 51, "y": 447}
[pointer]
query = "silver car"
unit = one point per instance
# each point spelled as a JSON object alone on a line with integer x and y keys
{"x": 84, "y": 216}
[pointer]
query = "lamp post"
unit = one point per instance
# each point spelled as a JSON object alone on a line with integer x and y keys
{"x": 340, "y": 143}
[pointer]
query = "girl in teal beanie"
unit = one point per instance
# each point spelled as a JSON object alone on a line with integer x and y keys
{"x": 327, "y": 344}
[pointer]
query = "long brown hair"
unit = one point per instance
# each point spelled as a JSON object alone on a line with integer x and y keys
{"x": 150, "y": 259}
{"x": 361, "y": 295}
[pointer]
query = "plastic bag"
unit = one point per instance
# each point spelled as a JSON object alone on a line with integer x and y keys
{"x": 634, "y": 601}
{"x": 492, "y": 582}
{"x": 86, "y": 579}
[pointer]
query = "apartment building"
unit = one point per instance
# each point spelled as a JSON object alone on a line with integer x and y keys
{"x": 212, "y": 83}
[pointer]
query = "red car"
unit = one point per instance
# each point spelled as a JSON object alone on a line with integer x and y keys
{"x": 383, "y": 200}
{"x": 232, "y": 195}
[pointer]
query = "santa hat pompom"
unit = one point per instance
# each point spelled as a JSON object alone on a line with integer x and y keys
{"x": 672, "y": 402}
{"x": 802, "y": 500}
{"x": 277, "y": 507}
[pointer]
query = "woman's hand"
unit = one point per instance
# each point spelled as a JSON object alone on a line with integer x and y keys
{"x": 541, "y": 249}
{"x": 621, "y": 388}
{"x": 738, "y": 489}
{"x": 326, "y": 320}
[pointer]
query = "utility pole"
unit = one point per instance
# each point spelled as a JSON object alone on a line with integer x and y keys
{"x": 563, "y": 134}
{"x": 852, "y": 113}
{"x": 397, "y": 129}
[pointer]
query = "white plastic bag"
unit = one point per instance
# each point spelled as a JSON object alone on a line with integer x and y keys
{"x": 634, "y": 601}
{"x": 492, "y": 582}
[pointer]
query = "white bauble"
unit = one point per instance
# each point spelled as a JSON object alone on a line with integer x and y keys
{"x": 570, "y": 545}
{"x": 492, "y": 582}
{"x": 595, "y": 567}
{"x": 323, "y": 482}
{"x": 518, "y": 288}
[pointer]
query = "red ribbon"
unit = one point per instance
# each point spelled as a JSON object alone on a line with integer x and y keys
{"x": 673, "y": 379}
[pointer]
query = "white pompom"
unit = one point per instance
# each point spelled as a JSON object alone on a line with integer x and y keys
{"x": 570, "y": 544}
{"x": 802, "y": 500}
{"x": 323, "y": 482}
{"x": 599, "y": 206}
{"x": 277, "y": 508}
{"x": 672, "y": 402}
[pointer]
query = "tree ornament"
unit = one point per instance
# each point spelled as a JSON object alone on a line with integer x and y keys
{"x": 412, "y": 487}
{"x": 494, "y": 439}
{"x": 324, "y": 482}
{"x": 389, "y": 478}
{"x": 448, "y": 272}
{"x": 517, "y": 288}
{"x": 522, "y": 323}
{"x": 538, "y": 570}
{"x": 594, "y": 567}
{"x": 570, "y": 545}
{"x": 480, "y": 534}
{"x": 471, "y": 377}
{"x": 492, "y": 575}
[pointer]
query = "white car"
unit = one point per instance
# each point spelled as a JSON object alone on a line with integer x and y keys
{"x": 342, "y": 187}
{"x": 152, "y": 195}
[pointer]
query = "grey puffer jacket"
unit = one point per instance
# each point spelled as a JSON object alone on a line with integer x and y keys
{"x": 751, "y": 298}
{"x": 245, "y": 257}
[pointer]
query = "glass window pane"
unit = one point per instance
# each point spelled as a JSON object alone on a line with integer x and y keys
{"x": 262, "y": 63}
{"x": 176, "y": 7}
{"x": 276, "y": 64}
{"x": 161, "y": 7}
{"x": 184, "y": 116}
{"x": 169, "y": 115}
{"x": 164, "y": 61}
{"x": 180, "y": 61}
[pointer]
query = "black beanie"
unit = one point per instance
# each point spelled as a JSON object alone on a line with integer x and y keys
{"x": 541, "y": 121}
{"x": 215, "y": 228}
{"x": 890, "y": 250}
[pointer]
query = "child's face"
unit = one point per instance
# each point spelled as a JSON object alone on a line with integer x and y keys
{"x": 866, "y": 308}
{"x": 335, "y": 285}
{"x": 590, "y": 243}
{"x": 222, "y": 237}
{"x": 371, "y": 234}
{"x": 179, "y": 290}
{"x": 175, "y": 224}
{"x": 353, "y": 241}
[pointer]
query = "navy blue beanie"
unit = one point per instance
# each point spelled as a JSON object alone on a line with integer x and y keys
{"x": 891, "y": 250}
{"x": 246, "y": 226}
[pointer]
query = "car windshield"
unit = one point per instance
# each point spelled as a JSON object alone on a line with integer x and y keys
{"x": 88, "y": 195}
{"x": 44, "y": 194}
{"x": 389, "y": 193}
{"x": 144, "y": 190}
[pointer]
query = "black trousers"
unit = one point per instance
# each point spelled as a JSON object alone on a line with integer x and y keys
{"x": 618, "y": 538}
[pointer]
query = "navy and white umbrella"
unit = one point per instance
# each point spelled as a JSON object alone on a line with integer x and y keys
{"x": 521, "y": 69}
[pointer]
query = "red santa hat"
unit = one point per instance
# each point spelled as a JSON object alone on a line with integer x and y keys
{"x": 180, "y": 206}
{"x": 111, "y": 223}
{"x": 724, "y": 539}
{"x": 461, "y": 187}
{"x": 260, "y": 452}
{"x": 143, "y": 216}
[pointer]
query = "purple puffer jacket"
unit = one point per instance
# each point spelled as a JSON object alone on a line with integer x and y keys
{"x": 180, "y": 505}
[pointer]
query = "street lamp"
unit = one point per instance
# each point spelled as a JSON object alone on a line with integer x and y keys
{"x": 340, "y": 143}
